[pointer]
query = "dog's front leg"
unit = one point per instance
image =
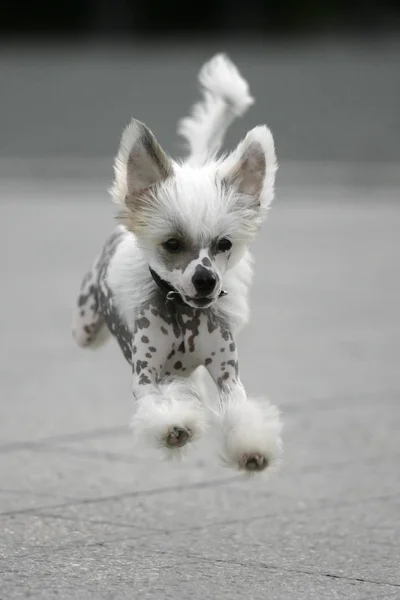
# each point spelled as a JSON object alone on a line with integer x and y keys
{"x": 168, "y": 411}
{"x": 251, "y": 428}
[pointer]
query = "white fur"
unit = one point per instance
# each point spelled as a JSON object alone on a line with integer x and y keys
{"x": 225, "y": 97}
{"x": 250, "y": 427}
{"x": 129, "y": 277}
{"x": 178, "y": 406}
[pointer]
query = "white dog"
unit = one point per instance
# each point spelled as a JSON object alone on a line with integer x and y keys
{"x": 171, "y": 283}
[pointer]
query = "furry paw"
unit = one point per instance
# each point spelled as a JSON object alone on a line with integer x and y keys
{"x": 252, "y": 440}
{"x": 170, "y": 421}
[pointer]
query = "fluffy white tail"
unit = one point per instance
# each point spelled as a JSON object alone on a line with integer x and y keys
{"x": 225, "y": 97}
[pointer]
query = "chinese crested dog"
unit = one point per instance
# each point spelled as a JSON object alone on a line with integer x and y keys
{"x": 172, "y": 280}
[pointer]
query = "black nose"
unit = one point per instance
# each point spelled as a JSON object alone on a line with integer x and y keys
{"x": 204, "y": 281}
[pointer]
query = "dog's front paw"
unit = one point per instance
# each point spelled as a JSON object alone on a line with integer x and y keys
{"x": 252, "y": 440}
{"x": 178, "y": 437}
{"x": 170, "y": 421}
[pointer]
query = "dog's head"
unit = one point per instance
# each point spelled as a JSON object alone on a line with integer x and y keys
{"x": 193, "y": 223}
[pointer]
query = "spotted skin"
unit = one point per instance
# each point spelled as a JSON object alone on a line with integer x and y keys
{"x": 183, "y": 336}
{"x": 117, "y": 327}
{"x": 91, "y": 313}
{"x": 88, "y": 317}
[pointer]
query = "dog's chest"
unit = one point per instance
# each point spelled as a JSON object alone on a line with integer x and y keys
{"x": 182, "y": 339}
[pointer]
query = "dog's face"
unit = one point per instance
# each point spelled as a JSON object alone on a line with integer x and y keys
{"x": 195, "y": 223}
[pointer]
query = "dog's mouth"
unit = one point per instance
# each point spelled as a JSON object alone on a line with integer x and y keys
{"x": 203, "y": 301}
{"x": 200, "y": 302}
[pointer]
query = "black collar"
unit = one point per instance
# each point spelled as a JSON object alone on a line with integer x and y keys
{"x": 168, "y": 290}
{"x": 172, "y": 294}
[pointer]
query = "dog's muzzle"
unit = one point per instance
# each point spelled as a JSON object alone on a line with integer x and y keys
{"x": 172, "y": 294}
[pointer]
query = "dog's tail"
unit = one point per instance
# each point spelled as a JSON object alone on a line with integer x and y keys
{"x": 225, "y": 97}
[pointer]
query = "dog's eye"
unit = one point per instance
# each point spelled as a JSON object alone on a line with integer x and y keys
{"x": 173, "y": 245}
{"x": 224, "y": 244}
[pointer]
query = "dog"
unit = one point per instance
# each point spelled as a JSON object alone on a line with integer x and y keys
{"x": 171, "y": 283}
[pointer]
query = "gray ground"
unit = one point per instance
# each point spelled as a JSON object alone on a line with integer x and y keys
{"x": 83, "y": 517}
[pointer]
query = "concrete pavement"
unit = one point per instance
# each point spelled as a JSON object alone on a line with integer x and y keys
{"x": 83, "y": 517}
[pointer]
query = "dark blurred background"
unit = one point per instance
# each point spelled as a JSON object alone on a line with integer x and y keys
{"x": 325, "y": 76}
{"x": 124, "y": 17}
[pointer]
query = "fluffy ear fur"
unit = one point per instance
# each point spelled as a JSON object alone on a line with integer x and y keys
{"x": 140, "y": 164}
{"x": 251, "y": 168}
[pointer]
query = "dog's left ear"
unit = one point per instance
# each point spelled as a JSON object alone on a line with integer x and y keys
{"x": 251, "y": 168}
{"x": 140, "y": 164}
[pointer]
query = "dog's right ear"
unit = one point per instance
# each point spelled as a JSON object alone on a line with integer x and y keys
{"x": 140, "y": 164}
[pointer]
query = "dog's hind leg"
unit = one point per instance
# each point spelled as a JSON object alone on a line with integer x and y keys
{"x": 89, "y": 328}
